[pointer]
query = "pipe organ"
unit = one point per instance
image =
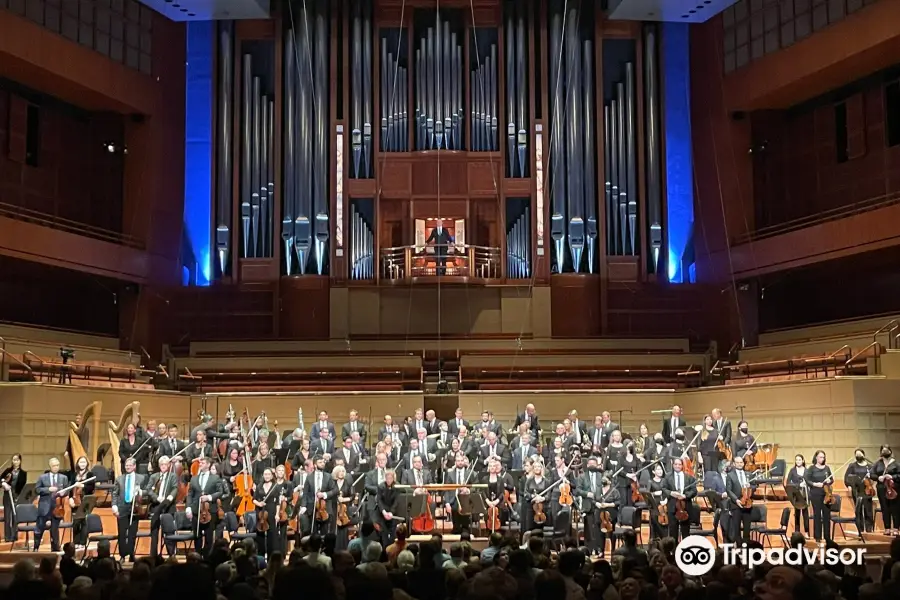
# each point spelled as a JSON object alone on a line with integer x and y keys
{"x": 480, "y": 125}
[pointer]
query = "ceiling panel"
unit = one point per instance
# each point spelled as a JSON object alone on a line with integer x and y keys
{"x": 205, "y": 10}
{"x": 682, "y": 11}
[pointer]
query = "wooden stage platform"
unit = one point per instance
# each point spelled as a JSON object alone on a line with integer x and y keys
{"x": 876, "y": 544}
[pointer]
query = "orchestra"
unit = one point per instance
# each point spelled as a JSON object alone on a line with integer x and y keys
{"x": 454, "y": 476}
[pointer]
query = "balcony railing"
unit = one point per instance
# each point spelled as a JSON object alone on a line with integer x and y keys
{"x": 28, "y": 215}
{"x": 411, "y": 262}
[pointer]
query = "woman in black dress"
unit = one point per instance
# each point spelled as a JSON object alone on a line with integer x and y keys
{"x": 655, "y": 490}
{"x": 266, "y": 499}
{"x": 385, "y": 505}
{"x": 797, "y": 477}
{"x": 537, "y": 487}
{"x": 498, "y": 484}
{"x": 343, "y": 496}
{"x": 628, "y": 465}
{"x": 79, "y": 524}
{"x": 817, "y": 476}
{"x": 858, "y": 473}
{"x": 132, "y": 446}
{"x": 887, "y": 471}
{"x": 709, "y": 456}
{"x": 12, "y": 480}
{"x": 743, "y": 443}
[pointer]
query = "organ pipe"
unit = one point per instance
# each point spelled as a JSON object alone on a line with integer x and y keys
{"x": 608, "y": 186}
{"x": 362, "y": 247}
{"x": 652, "y": 123}
{"x": 622, "y": 169}
{"x": 590, "y": 199}
{"x": 254, "y": 168}
{"x": 520, "y": 90}
{"x": 320, "y": 162}
{"x": 511, "y": 130}
{"x": 356, "y": 89}
{"x": 631, "y": 155}
{"x": 557, "y": 156}
{"x": 303, "y": 137}
{"x": 517, "y": 87}
{"x": 368, "y": 159}
{"x": 289, "y": 203}
{"x": 246, "y": 143}
{"x": 224, "y": 193}
{"x": 439, "y": 87}
{"x": 573, "y": 135}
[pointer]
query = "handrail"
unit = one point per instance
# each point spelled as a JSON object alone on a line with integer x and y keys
{"x": 817, "y": 219}
{"x": 889, "y": 326}
{"x": 16, "y": 360}
{"x": 875, "y": 345}
{"x": 39, "y": 359}
{"x": 715, "y": 368}
{"x": 839, "y": 350}
{"x": 416, "y": 246}
{"x": 72, "y": 346}
{"x": 21, "y": 213}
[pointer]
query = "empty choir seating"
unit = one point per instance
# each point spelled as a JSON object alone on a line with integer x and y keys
{"x": 31, "y": 354}
{"x": 328, "y": 372}
{"x": 599, "y": 369}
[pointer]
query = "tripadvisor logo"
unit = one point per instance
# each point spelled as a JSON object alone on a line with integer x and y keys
{"x": 695, "y": 556}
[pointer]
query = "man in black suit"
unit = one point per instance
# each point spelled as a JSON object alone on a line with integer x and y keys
{"x": 126, "y": 498}
{"x": 348, "y": 455}
{"x": 493, "y": 448}
{"x": 672, "y": 423}
{"x": 521, "y": 452}
{"x": 454, "y": 425}
{"x": 161, "y": 490}
{"x": 374, "y": 478}
{"x": 322, "y": 445}
{"x": 432, "y": 424}
{"x": 205, "y": 487}
{"x": 579, "y": 429}
{"x": 678, "y": 485}
{"x": 319, "y": 485}
{"x": 48, "y": 489}
{"x": 322, "y": 423}
{"x": 737, "y": 481}
{"x": 354, "y": 424}
{"x": 715, "y": 484}
{"x": 417, "y": 476}
{"x": 530, "y": 417}
{"x": 441, "y": 239}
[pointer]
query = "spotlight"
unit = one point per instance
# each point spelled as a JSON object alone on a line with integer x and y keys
{"x": 109, "y": 147}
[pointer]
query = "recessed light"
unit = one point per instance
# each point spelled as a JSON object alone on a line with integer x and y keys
{"x": 192, "y": 14}
{"x": 184, "y": 10}
{"x": 685, "y": 17}
{"x": 692, "y": 11}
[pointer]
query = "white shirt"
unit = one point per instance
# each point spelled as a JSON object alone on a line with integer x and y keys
{"x": 318, "y": 481}
{"x": 742, "y": 478}
{"x": 597, "y": 435}
{"x": 352, "y": 425}
{"x": 380, "y": 476}
{"x": 203, "y": 477}
{"x": 674, "y": 426}
{"x": 679, "y": 482}
{"x": 418, "y": 477}
{"x": 577, "y": 430}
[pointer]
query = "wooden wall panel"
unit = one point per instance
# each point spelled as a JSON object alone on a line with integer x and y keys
{"x": 303, "y": 308}
{"x": 575, "y": 305}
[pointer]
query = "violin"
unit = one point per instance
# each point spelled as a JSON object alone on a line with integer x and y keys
{"x": 343, "y": 519}
{"x": 539, "y": 516}
{"x": 890, "y": 490}
{"x": 321, "y": 510}
{"x": 829, "y": 492}
{"x": 636, "y": 495}
{"x": 750, "y": 461}
{"x": 687, "y": 466}
{"x": 606, "y": 523}
{"x": 746, "y": 500}
{"x": 59, "y": 507}
{"x": 663, "y": 518}
{"x": 283, "y": 516}
{"x": 262, "y": 520}
{"x": 205, "y": 515}
{"x": 220, "y": 510}
{"x": 869, "y": 487}
{"x": 77, "y": 496}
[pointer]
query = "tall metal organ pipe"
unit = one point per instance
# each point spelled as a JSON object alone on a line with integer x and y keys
{"x": 289, "y": 203}
{"x": 622, "y": 168}
{"x": 610, "y": 227}
{"x": 510, "y": 57}
{"x": 652, "y": 125}
{"x": 573, "y": 136}
{"x": 520, "y": 90}
{"x": 590, "y": 196}
{"x": 557, "y": 155}
{"x": 356, "y": 89}
{"x": 321, "y": 162}
{"x": 263, "y": 173}
{"x": 254, "y": 167}
{"x": 438, "y": 94}
{"x": 367, "y": 87}
{"x": 631, "y": 157}
{"x": 246, "y": 143}
{"x": 224, "y": 192}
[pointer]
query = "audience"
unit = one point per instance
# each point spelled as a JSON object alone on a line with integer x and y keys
{"x": 406, "y": 571}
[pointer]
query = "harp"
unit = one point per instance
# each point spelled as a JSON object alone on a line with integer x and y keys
{"x": 83, "y": 440}
{"x": 116, "y": 431}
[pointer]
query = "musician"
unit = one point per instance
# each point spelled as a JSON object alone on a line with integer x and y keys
{"x": 134, "y": 444}
{"x": 356, "y": 443}
{"x": 343, "y": 497}
{"x": 679, "y": 486}
{"x": 723, "y": 427}
{"x": 448, "y": 463}
{"x": 443, "y": 436}
{"x": 457, "y": 422}
{"x": 386, "y": 498}
{"x": 266, "y": 500}
{"x": 796, "y": 477}
{"x": 319, "y": 486}
{"x": 596, "y": 436}
{"x": 171, "y": 445}
{"x": 628, "y": 466}
{"x": 161, "y": 490}
{"x": 460, "y": 475}
{"x": 552, "y": 451}
{"x": 408, "y": 460}
{"x": 530, "y": 417}
{"x": 494, "y": 449}
{"x": 85, "y": 484}
{"x": 560, "y": 472}
{"x": 522, "y": 452}
{"x": 578, "y": 427}
{"x": 488, "y": 424}
{"x": 677, "y": 449}
{"x": 354, "y": 424}
{"x": 642, "y": 443}
{"x": 393, "y": 450}
{"x": 737, "y": 481}
{"x": 349, "y": 455}
{"x": 12, "y": 479}
{"x": 657, "y": 450}
{"x": 886, "y": 468}
{"x": 565, "y": 438}
{"x": 856, "y": 476}
{"x": 607, "y": 500}
{"x": 126, "y": 499}
{"x": 232, "y": 466}
{"x": 655, "y": 491}
{"x": 715, "y": 488}
{"x": 323, "y": 424}
{"x": 588, "y": 489}
{"x": 432, "y": 424}
{"x": 205, "y": 487}
{"x": 501, "y": 491}
{"x": 673, "y": 423}
{"x": 615, "y": 451}
{"x": 284, "y": 494}
{"x": 303, "y": 454}
{"x": 417, "y": 476}
{"x": 49, "y": 487}
{"x": 264, "y": 460}
{"x": 298, "y": 483}
{"x": 743, "y": 443}
{"x": 322, "y": 446}
{"x": 709, "y": 437}
{"x": 198, "y": 449}
{"x": 535, "y": 493}
{"x": 817, "y": 476}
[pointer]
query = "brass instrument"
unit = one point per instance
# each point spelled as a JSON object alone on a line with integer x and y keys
{"x": 639, "y": 444}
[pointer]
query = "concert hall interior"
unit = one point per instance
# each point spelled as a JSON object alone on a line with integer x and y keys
{"x": 232, "y": 215}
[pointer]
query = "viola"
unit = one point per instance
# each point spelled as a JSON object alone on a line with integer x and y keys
{"x": 283, "y": 516}
{"x": 565, "y": 494}
{"x": 77, "y": 496}
{"x": 343, "y": 519}
{"x": 195, "y": 467}
{"x": 890, "y": 490}
{"x": 750, "y": 461}
{"x": 220, "y": 510}
{"x": 829, "y": 493}
{"x": 262, "y": 520}
{"x": 681, "y": 513}
{"x": 606, "y": 523}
